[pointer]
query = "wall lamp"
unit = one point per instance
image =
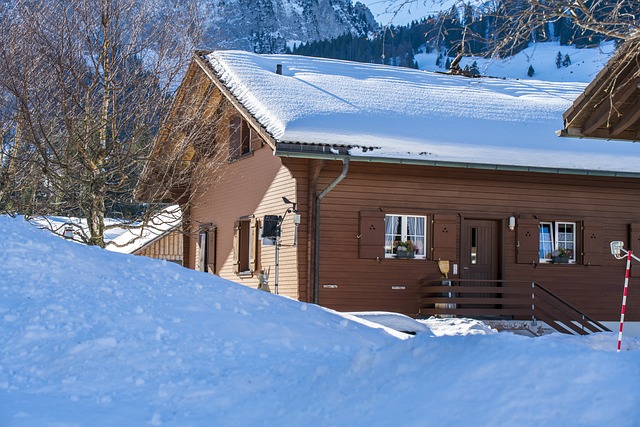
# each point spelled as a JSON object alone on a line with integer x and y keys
{"x": 512, "y": 223}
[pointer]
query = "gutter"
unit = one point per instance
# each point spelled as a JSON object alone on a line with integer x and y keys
{"x": 316, "y": 252}
{"x": 301, "y": 151}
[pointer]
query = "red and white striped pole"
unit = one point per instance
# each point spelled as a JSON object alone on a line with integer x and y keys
{"x": 624, "y": 298}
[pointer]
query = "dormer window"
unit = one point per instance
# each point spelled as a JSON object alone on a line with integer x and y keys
{"x": 239, "y": 137}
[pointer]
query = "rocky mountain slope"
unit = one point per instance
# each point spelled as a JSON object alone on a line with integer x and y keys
{"x": 266, "y": 26}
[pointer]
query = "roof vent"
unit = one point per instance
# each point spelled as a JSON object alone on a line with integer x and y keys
{"x": 279, "y": 69}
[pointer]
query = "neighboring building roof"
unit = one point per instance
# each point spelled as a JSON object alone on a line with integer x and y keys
{"x": 126, "y": 239}
{"x": 610, "y": 105}
{"x": 384, "y": 113}
{"x": 133, "y": 239}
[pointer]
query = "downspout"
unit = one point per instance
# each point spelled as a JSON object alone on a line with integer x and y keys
{"x": 316, "y": 252}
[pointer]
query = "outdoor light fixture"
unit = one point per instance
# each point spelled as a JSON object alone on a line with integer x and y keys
{"x": 616, "y": 249}
{"x": 512, "y": 223}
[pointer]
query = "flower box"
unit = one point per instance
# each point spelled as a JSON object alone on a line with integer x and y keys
{"x": 405, "y": 254}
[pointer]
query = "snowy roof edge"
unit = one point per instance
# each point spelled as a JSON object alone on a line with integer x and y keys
{"x": 328, "y": 152}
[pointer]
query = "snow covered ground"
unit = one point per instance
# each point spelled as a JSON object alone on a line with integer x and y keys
{"x": 585, "y": 63}
{"x": 90, "y": 337}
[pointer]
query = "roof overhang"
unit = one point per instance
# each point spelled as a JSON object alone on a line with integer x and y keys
{"x": 327, "y": 152}
{"x": 609, "y": 108}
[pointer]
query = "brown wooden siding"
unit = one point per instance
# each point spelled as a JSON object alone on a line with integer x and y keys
{"x": 168, "y": 247}
{"x": 348, "y": 282}
{"x": 253, "y": 185}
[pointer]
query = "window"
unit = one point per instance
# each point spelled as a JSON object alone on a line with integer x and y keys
{"x": 405, "y": 228}
{"x": 245, "y": 246}
{"x": 240, "y": 137}
{"x": 207, "y": 249}
{"x": 557, "y": 242}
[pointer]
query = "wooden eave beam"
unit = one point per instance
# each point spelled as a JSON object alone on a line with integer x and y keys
{"x": 629, "y": 119}
{"x": 605, "y": 110}
{"x": 623, "y": 63}
{"x": 260, "y": 130}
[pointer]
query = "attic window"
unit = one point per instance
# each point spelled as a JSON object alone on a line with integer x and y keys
{"x": 240, "y": 137}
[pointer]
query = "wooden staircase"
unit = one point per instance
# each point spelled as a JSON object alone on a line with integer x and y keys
{"x": 507, "y": 300}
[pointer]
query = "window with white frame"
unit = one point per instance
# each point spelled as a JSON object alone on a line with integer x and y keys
{"x": 557, "y": 242}
{"x": 405, "y": 231}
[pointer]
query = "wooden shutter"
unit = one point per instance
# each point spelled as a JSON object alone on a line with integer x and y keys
{"x": 212, "y": 234}
{"x": 253, "y": 245}
{"x": 235, "y": 137}
{"x": 371, "y": 235}
{"x": 634, "y": 245}
{"x": 528, "y": 241}
{"x": 592, "y": 243}
{"x": 202, "y": 251}
{"x": 236, "y": 247}
{"x": 445, "y": 237}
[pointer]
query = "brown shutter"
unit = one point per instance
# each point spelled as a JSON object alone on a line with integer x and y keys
{"x": 445, "y": 237}
{"x": 528, "y": 241}
{"x": 253, "y": 245}
{"x": 211, "y": 249}
{"x": 234, "y": 136}
{"x": 592, "y": 243}
{"x": 634, "y": 245}
{"x": 371, "y": 235}
{"x": 236, "y": 247}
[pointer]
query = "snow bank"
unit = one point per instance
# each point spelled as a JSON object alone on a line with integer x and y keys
{"x": 94, "y": 338}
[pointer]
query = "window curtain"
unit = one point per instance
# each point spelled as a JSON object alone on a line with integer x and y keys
{"x": 546, "y": 241}
{"x": 415, "y": 233}
{"x": 391, "y": 228}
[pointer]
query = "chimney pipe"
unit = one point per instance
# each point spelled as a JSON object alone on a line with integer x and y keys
{"x": 279, "y": 69}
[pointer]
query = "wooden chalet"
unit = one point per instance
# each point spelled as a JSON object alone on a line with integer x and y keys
{"x": 504, "y": 218}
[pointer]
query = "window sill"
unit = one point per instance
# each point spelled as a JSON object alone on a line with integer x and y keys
{"x": 407, "y": 258}
{"x": 548, "y": 262}
{"x": 240, "y": 157}
{"x": 245, "y": 274}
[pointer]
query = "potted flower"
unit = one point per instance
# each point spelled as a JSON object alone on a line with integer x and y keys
{"x": 405, "y": 249}
{"x": 561, "y": 256}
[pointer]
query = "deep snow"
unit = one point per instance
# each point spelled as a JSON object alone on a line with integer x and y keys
{"x": 94, "y": 338}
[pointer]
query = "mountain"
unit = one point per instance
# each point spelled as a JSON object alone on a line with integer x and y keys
{"x": 268, "y": 26}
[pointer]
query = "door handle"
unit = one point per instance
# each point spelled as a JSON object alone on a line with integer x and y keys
{"x": 465, "y": 268}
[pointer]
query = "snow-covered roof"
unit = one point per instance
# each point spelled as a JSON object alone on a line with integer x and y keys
{"x": 121, "y": 236}
{"x": 397, "y": 114}
{"x": 132, "y": 239}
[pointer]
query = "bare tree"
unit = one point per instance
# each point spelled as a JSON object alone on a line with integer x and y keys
{"x": 516, "y": 22}
{"x": 83, "y": 87}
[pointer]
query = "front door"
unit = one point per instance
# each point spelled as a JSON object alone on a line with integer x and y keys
{"x": 479, "y": 258}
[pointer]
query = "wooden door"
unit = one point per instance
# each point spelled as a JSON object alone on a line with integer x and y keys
{"x": 479, "y": 257}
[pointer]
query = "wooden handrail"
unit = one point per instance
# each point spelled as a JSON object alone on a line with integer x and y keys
{"x": 505, "y": 299}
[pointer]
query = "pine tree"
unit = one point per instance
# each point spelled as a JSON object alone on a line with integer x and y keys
{"x": 474, "y": 70}
{"x": 559, "y": 60}
{"x": 566, "y": 61}
{"x": 530, "y": 71}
